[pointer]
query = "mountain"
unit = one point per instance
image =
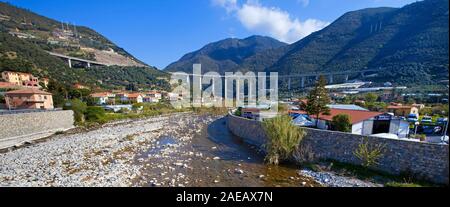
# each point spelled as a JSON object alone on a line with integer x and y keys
{"x": 226, "y": 55}
{"x": 26, "y": 38}
{"x": 410, "y": 43}
{"x": 64, "y": 38}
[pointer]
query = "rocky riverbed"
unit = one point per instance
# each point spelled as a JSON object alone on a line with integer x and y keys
{"x": 175, "y": 150}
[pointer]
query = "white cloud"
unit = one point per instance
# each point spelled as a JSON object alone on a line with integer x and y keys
{"x": 229, "y": 5}
{"x": 271, "y": 21}
{"x": 305, "y": 3}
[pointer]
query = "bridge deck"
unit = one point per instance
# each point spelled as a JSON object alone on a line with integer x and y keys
{"x": 78, "y": 59}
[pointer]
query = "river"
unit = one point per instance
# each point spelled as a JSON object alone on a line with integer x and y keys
{"x": 177, "y": 150}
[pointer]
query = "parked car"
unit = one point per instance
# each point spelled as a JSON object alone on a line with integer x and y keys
{"x": 442, "y": 120}
{"x": 413, "y": 118}
{"x": 427, "y": 119}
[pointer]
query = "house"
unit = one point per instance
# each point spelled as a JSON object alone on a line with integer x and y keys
{"x": 174, "y": 96}
{"x": 364, "y": 122}
{"x": 258, "y": 113}
{"x": 20, "y": 79}
{"x": 401, "y": 110}
{"x": 29, "y": 98}
{"x": 419, "y": 106}
{"x": 152, "y": 97}
{"x": 103, "y": 98}
{"x": 148, "y": 99}
{"x": 154, "y": 94}
{"x": 135, "y": 98}
{"x": 79, "y": 86}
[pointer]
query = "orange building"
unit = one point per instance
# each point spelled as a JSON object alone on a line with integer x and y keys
{"x": 29, "y": 98}
{"x": 400, "y": 110}
{"x": 79, "y": 86}
{"x": 135, "y": 98}
{"x": 20, "y": 79}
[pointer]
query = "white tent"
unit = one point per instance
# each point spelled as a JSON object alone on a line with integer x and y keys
{"x": 303, "y": 121}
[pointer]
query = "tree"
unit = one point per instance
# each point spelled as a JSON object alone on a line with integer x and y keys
{"x": 79, "y": 109}
{"x": 95, "y": 114}
{"x": 318, "y": 99}
{"x": 371, "y": 98}
{"x": 342, "y": 123}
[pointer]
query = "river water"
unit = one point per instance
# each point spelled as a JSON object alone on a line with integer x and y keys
{"x": 211, "y": 157}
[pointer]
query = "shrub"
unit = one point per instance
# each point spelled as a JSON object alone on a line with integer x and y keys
{"x": 78, "y": 107}
{"x": 138, "y": 106}
{"x": 95, "y": 114}
{"x": 284, "y": 138}
{"x": 342, "y": 123}
{"x": 369, "y": 154}
{"x": 371, "y": 97}
{"x": 238, "y": 112}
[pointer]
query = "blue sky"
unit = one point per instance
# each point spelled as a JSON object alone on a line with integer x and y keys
{"x": 160, "y": 31}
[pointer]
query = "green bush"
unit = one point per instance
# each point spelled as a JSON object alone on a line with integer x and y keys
{"x": 369, "y": 154}
{"x": 238, "y": 112}
{"x": 284, "y": 138}
{"x": 78, "y": 107}
{"x": 95, "y": 114}
{"x": 137, "y": 106}
{"x": 342, "y": 123}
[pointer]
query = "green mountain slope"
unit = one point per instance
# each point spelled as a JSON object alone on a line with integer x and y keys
{"x": 411, "y": 43}
{"x": 62, "y": 38}
{"x": 29, "y": 54}
{"x": 226, "y": 55}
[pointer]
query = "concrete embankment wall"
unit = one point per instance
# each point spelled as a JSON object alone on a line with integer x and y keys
{"x": 16, "y": 129}
{"x": 425, "y": 160}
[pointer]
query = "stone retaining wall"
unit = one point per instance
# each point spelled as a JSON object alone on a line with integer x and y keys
{"x": 425, "y": 160}
{"x": 16, "y": 129}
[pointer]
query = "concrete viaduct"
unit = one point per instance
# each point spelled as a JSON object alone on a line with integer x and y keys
{"x": 304, "y": 77}
{"x": 69, "y": 59}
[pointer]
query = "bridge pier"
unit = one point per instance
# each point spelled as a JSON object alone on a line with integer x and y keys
{"x": 88, "y": 64}
{"x": 302, "y": 84}
{"x": 70, "y": 63}
{"x": 289, "y": 84}
{"x": 346, "y": 78}
{"x": 331, "y": 80}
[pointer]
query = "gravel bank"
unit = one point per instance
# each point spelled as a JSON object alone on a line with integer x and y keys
{"x": 102, "y": 157}
{"x": 330, "y": 179}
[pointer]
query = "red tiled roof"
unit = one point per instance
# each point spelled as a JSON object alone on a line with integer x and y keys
{"x": 28, "y": 91}
{"x": 400, "y": 107}
{"x": 98, "y": 95}
{"x": 153, "y": 92}
{"x": 134, "y": 95}
{"x": 355, "y": 115}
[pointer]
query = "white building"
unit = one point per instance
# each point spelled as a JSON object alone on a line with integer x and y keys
{"x": 365, "y": 122}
